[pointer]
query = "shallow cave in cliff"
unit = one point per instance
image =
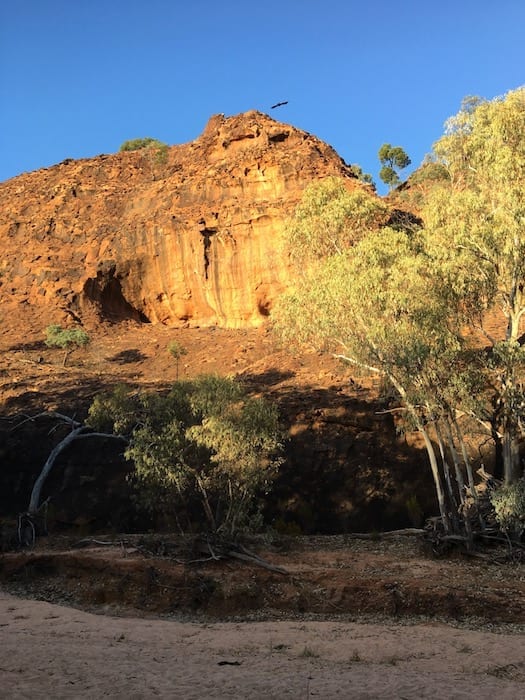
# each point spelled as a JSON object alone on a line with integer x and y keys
{"x": 105, "y": 291}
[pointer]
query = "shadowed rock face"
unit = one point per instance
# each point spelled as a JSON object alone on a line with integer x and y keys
{"x": 195, "y": 240}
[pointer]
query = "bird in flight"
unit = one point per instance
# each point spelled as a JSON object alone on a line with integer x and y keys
{"x": 279, "y": 104}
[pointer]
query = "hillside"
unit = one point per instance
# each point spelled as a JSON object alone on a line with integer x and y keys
{"x": 142, "y": 253}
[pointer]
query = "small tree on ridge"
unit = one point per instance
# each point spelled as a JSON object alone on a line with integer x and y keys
{"x": 392, "y": 158}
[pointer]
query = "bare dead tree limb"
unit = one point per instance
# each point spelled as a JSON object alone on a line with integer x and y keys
{"x": 79, "y": 431}
{"x": 49, "y": 414}
{"x": 257, "y": 561}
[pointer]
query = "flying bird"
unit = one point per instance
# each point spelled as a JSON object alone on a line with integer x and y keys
{"x": 279, "y": 104}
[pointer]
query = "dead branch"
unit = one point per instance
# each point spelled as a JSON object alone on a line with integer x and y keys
{"x": 397, "y": 409}
{"x": 257, "y": 561}
{"x": 88, "y": 540}
{"x": 405, "y": 532}
{"x": 78, "y": 431}
{"x": 37, "y": 487}
{"x": 224, "y": 550}
{"x": 48, "y": 414}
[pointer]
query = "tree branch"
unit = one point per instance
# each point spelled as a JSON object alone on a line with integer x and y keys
{"x": 353, "y": 361}
{"x": 34, "y": 502}
{"x": 49, "y": 414}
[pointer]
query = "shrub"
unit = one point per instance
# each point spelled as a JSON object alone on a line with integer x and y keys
{"x": 205, "y": 447}
{"x": 66, "y": 338}
{"x": 155, "y": 152}
{"x": 138, "y": 144}
{"x": 509, "y": 507}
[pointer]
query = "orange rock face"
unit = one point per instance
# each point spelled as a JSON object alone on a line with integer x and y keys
{"x": 197, "y": 239}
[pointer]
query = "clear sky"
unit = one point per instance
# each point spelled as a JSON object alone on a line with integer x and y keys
{"x": 79, "y": 77}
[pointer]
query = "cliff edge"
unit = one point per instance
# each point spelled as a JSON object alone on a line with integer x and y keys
{"x": 196, "y": 240}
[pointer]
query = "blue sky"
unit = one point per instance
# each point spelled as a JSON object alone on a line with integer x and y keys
{"x": 79, "y": 77}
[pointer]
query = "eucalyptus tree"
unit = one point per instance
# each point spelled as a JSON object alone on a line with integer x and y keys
{"x": 475, "y": 222}
{"x": 206, "y": 443}
{"x": 330, "y": 217}
{"x": 378, "y": 303}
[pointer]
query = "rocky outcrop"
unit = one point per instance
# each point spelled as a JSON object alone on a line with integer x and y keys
{"x": 196, "y": 239}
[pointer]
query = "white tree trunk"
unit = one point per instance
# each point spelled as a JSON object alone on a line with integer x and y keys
{"x": 437, "y": 479}
{"x": 34, "y": 501}
{"x": 434, "y": 467}
{"x": 76, "y": 433}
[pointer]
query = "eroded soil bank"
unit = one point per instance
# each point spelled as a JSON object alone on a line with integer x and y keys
{"x": 151, "y": 574}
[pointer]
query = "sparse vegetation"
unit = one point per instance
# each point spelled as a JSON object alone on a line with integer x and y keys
{"x": 364, "y": 177}
{"x": 509, "y": 507}
{"x": 399, "y": 296}
{"x": 177, "y": 351}
{"x": 155, "y": 152}
{"x": 138, "y": 144}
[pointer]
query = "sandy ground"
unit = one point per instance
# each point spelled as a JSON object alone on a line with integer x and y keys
{"x": 51, "y": 651}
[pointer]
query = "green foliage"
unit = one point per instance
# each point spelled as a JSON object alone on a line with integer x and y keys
{"x": 509, "y": 507}
{"x": 364, "y": 177}
{"x": 206, "y": 444}
{"x": 116, "y": 411}
{"x": 414, "y": 510}
{"x": 58, "y": 337}
{"x": 392, "y": 158}
{"x": 155, "y": 152}
{"x": 389, "y": 176}
{"x": 383, "y": 306}
{"x": 373, "y": 304}
{"x": 476, "y": 224}
{"x": 396, "y": 302}
{"x": 66, "y": 338}
{"x": 138, "y": 144}
{"x": 330, "y": 218}
{"x": 177, "y": 351}
{"x": 429, "y": 172}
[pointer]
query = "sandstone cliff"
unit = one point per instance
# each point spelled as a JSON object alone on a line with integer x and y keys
{"x": 195, "y": 240}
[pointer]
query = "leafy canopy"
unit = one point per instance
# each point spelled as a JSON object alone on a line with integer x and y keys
{"x": 476, "y": 223}
{"x": 392, "y": 158}
{"x": 378, "y": 302}
{"x": 361, "y": 175}
{"x": 58, "y": 337}
{"x": 66, "y": 338}
{"x": 206, "y": 450}
{"x": 330, "y": 218}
